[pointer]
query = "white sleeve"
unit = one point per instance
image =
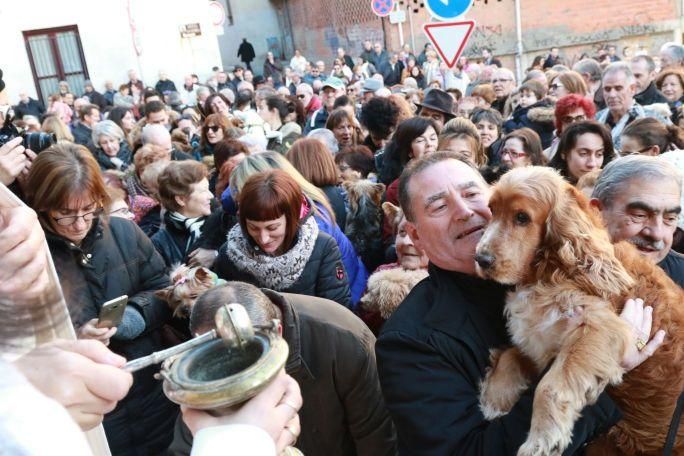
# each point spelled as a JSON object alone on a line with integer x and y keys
{"x": 233, "y": 439}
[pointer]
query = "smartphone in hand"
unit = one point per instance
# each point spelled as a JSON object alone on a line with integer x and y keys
{"x": 112, "y": 312}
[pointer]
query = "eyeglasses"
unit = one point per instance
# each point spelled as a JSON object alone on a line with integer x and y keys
{"x": 513, "y": 155}
{"x": 70, "y": 220}
{"x": 636, "y": 152}
{"x": 213, "y": 128}
{"x": 494, "y": 81}
{"x": 573, "y": 119}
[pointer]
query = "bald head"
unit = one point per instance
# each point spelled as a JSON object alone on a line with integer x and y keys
{"x": 157, "y": 135}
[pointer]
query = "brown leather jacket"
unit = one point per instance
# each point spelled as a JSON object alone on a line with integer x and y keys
{"x": 332, "y": 358}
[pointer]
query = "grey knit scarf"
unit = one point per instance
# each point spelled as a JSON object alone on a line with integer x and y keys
{"x": 274, "y": 272}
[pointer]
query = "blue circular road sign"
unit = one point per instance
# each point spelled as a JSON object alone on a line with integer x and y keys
{"x": 448, "y": 9}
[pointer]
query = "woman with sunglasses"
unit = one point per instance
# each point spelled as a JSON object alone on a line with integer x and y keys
{"x": 566, "y": 83}
{"x": 99, "y": 258}
{"x": 213, "y": 131}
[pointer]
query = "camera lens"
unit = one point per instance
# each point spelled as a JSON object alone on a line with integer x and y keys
{"x": 39, "y": 141}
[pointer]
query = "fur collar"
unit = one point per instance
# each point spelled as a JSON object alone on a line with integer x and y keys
{"x": 388, "y": 288}
{"x": 543, "y": 114}
{"x": 277, "y": 273}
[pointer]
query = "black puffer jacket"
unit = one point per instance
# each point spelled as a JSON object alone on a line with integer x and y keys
{"x": 114, "y": 259}
{"x": 323, "y": 274}
{"x": 539, "y": 117}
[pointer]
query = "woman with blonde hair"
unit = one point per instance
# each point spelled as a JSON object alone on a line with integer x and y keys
{"x": 317, "y": 203}
{"x": 55, "y": 125}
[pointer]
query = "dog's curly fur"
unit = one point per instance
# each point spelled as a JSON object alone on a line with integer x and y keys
{"x": 571, "y": 284}
{"x": 187, "y": 284}
{"x": 387, "y": 289}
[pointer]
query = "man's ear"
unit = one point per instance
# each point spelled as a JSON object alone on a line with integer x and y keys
{"x": 180, "y": 200}
{"x": 412, "y": 231}
{"x": 596, "y": 204}
{"x": 633, "y": 88}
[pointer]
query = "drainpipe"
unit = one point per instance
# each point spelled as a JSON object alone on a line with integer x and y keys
{"x": 519, "y": 43}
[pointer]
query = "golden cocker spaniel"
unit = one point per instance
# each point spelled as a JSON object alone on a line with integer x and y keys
{"x": 571, "y": 283}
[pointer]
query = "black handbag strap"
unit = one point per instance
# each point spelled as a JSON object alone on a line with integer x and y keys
{"x": 674, "y": 426}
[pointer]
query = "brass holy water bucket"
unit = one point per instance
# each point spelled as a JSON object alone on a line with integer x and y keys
{"x": 229, "y": 370}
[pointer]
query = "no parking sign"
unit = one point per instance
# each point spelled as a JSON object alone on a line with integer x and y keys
{"x": 382, "y": 8}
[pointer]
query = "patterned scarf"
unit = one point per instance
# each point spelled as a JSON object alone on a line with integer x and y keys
{"x": 275, "y": 272}
{"x": 192, "y": 225}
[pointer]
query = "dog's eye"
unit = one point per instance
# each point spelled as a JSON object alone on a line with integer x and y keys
{"x": 522, "y": 218}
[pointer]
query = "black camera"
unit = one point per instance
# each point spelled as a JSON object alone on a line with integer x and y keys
{"x": 36, "y": 141}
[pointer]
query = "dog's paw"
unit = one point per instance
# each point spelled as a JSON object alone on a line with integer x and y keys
{"x": 539, "y": 447}
{"x": 498, "y": 391}
{"x": 494, "y": 355}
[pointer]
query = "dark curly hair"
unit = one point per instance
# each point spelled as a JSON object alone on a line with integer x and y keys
{"x": 379, "y": 116}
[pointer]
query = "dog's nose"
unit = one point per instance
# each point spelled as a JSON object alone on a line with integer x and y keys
{"x": 485, "y": 260}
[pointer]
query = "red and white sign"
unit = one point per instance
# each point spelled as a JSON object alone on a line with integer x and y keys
{"x": 449, "y": 38}
{"x": 217, "y": 13}
{"x": 382, "y": 8}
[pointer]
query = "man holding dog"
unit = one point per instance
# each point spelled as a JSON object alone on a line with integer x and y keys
{"x": 640, "y": 200}
{"x": 434, "y": 350}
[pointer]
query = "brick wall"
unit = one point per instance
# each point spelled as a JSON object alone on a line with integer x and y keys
{"x": 576, "y": 26}
{"x": 319, "y": 27}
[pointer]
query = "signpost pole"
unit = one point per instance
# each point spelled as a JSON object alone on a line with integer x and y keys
{"x": 401, "y": 28}
{"x": 409, "y": 11}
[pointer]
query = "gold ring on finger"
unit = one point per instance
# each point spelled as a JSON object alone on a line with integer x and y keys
{"x": 640, "y": 344}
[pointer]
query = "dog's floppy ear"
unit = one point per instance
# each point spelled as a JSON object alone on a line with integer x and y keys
{"x": 165, "y": 294}
{"x": 378, "y": 191}
{"x": 201, "y": 273}
{"x": 348, "y": 186}
{"x": 390, "y": 210}
{"x": 576, "y": 242}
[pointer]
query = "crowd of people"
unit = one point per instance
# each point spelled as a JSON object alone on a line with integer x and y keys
{"x": 343, "y": 198}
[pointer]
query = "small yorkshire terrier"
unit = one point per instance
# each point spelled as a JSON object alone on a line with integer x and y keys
{"x": 187, "y": 284}
{"x": 364, "y": 220}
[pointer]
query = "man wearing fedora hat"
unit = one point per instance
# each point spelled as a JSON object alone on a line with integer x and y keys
{"x": 437, "y": 105}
